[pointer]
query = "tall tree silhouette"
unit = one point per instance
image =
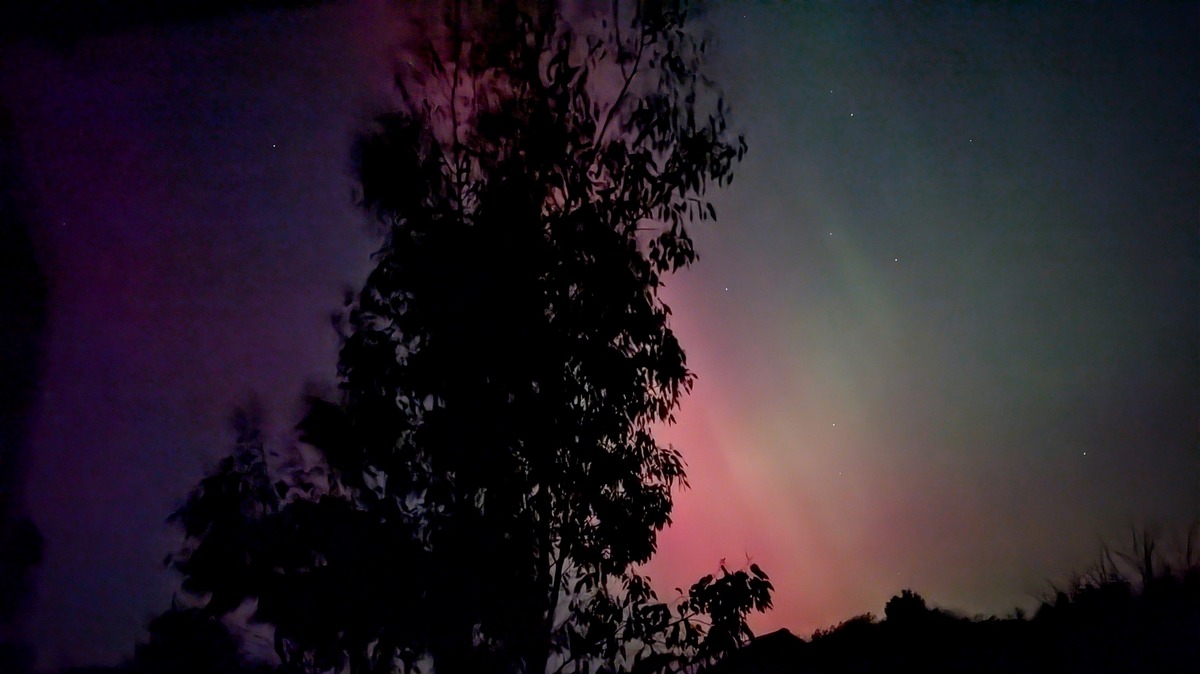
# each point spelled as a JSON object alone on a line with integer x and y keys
{"x": 489, "y": 481}
{"x": 22, "y": 319}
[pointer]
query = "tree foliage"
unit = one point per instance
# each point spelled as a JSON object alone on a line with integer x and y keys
{"x": 185, "y": 641}
{"x": 488, "y": 481}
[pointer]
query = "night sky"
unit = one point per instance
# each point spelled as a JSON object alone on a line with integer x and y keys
{"x": 945, "y": 327}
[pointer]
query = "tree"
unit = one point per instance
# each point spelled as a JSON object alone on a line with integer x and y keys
{"x": 908, "y": 608}
{"x": 185, "y": 641}
{"x": 489, "y": 481}
{"x": 22, "y": 319}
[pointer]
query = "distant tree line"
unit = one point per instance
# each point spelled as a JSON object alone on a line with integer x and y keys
{"x": 1132, "y": 612}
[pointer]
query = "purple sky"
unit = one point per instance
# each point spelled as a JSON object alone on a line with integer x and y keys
{"x": 945, "y": 327}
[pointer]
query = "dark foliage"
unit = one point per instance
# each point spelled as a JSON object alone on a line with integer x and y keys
{"x": 186, "y": 641}
{"x": 22, "y": 320}
{"x": 1109, "y": 626}
{"x": 488, "y": 481}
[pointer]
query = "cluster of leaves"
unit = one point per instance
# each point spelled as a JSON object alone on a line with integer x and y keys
{"x": 184, "y": 641}
{"x": 488, "y": 480}
{"x": 187, "y": 641}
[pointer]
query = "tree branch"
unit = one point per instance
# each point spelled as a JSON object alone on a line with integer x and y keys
{"x": 642, "y": 42}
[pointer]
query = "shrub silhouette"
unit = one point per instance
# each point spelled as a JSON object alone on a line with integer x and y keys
{"x": 186, "y": 641}
{"x": 907, "y": 607}
{"x": 1132, "y": 612}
